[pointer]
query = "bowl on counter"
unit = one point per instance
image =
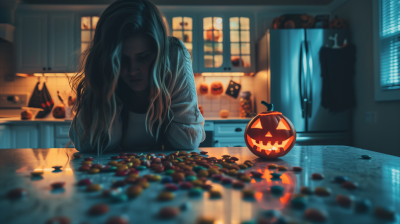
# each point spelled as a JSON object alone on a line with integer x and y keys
{"x": 34, "y": 111}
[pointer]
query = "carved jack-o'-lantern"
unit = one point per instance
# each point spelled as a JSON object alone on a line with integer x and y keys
{"x": 216, "y": 88}
{"x": 203, "y": 88}
{"x": 59, "y": 111}
{"x": 270, "y": 134}
{"x": 26, "y": 115}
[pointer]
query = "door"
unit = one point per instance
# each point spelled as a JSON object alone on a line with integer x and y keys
{"x": 31, "y": 42}
{"x": 61, "y": 49}
{"x": 319, "y": 118}
{"x": 287, "y": 89}
{"x": 24, "y": 136}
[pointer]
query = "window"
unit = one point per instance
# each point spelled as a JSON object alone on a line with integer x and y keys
{"x": 390, "y": 44}
{"x": 387, "y": 49}
{"x": 88, "y": 26}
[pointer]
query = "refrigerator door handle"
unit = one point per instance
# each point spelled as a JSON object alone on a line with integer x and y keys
{"x": 310, "y": 72}
{"x": 302, "y": 71}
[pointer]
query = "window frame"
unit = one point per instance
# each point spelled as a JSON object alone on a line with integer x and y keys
{"x": 380, "y": 95}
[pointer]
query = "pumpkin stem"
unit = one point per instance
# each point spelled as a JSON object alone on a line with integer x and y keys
{"x": 269, "y": 106}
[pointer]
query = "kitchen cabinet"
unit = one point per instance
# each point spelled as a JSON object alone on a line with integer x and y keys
{"x": 24, "y": 136}
{"x": 5, "y": 137}
{"x": 45, "y": 42}
{"x": 229, "y": 134}
{"x": 226, "y": 43}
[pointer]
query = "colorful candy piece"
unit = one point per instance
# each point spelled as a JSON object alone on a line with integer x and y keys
{"x": 275, "y": 176}
{"x": 278, "y": 190}
{"x": 153, "y": 178}
{"x": 56, "y": 185}
{"x": 238, "y": 184}
{"x": 282, "y": 168}
{"x": 87, "y": 162}
{"x": 384, "y": 213}
{"x": 315, "y": 215}
{"x": 340, "y": 179}
{"x": 84, "y": 182}
{"x": 89, "y": 159}
{"x": 171, "y": 187}
{"x": 37, "y": 173}
{"x": 297, "y": 168}
{"x": 205, "y": 220}
{"x": 119, "y": 197}
{"x": 349, "y": 185}
{"x": 77, "y": 155}
{"x": 343, "y": 200}
{"x": 93, "y": 187}
{"x": 365, "y": 156}
{"x": 84, "y": 168}
{"x": 306, "y": 190}
{"x": 141, "y": 167}
{"x": 226, "y": 181}
{"x": 56, "y": 167}
{"x": 248, "y": 193}
{"x": 99, "y": 209}
{"x": 317, "y": 176}
{"x": 165, "y": 196}
{"x": 121, "y": 173}
{"x": 185, "y": 206}
{"x": 195, "y": 192}
{"x": 186, "y": 185}
{"x": 215, "y": 194}
{"x": 114, "y": 157}
{"x": 168, "y": 212}
{"x": 165, "y": 180}
{"x": 169, "y": 172}
{"x": 322, "y": 191}
{"x": 245, "y": 178}
{"x": 117, "y": 220}
{"x": 113, "y": 163}
{"x": 203, "y": 152}
{"x": 256, "y": 174}
{"x": 216, "y": 177}
{"x": 93, "y": 171}
{"x": 298, "y": 203}
{"x": 59, "y": 220}
{"x": 272, "y": 166}
{"x": 362, "y": 205}
{"x": 134, "y": 191}
{"x": 190, "y": 178}
{"x": 17, "y": 193}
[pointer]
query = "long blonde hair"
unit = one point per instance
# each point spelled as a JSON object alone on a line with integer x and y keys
{"x": 97, "y": 84}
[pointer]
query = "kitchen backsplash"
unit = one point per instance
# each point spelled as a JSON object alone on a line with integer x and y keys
{"x": 211, "y": 104}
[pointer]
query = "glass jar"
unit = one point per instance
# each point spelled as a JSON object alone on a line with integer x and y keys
{"x": 245, "y": 108}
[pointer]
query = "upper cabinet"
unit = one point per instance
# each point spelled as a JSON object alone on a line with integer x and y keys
{"x": 217, "y": 43}
{"x": 44, "y": 42}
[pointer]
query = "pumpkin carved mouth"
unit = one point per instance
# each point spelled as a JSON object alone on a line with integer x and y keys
{"x": 268, "y": 148}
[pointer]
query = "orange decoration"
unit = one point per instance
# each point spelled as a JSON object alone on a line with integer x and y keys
{"x": 203, "y": 88}
{"x": 217, "y": 88}
{"x": 59, "y": 111}
{"x": 224, "y": 113}
{"x": 270, "y": 134}
{"x": 26, "y": 115}
{"x": 201, "y": 110}
{"x": 337, "y": 23}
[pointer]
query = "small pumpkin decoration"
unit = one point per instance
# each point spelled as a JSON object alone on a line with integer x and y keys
{"x": 59, "y": 111}
{"x": 217, "y": 88}
{"x": 289, "y": 21}
{"x": 224, "y": 113}
{"x": 26, "y": 115}
{"x": 201, "y": 110}
{"x": 270, "y": 134}
{"x": 337, "y": 23}
{"x": 307, "y": 21}
{"x": 203, "y": 88}
{"x": 209, "y": 35}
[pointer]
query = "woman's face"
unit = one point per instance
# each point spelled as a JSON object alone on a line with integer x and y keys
{"x": 137, "y": 56}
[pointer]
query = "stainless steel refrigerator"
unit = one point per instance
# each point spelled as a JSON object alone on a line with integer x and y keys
{"x": 289, "y": 76}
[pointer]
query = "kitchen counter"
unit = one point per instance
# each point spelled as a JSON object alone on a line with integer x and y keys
{"x": 378, "y": 180}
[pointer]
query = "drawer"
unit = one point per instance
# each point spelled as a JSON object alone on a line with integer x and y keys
{"x": 62, "y": 142}
{"x": 62, "y": 131}
{"x": 208, "y": 126}
{"x": 230, "y": 129}
{"x": 229, "y": 142}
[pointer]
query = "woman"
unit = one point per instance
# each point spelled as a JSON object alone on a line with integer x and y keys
{"x": 135, "y": 87}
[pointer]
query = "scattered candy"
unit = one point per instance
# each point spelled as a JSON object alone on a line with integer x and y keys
{"x": 205, "y": 220}
{"x": 185, "y": 206}
{"x": 93, "y": 171}
{"x": 206, "y": 187}
{"x": 349, "y": 185}
{"x": 238, "y": 184}
{"x": 57, "y": 185}
{"x": 119, "y": 197}
{"x": 343, "y": 200}
{"x": 89, "y": 159}
{"x": 275, "y": 176}
{"x": 298, "y": 203}
{"x": 248, "y": 193}
{"x": 215, "y": 194}
{"x": 84, "y": 168}
{"x": 256, "y": 174}
{"x": 322, "y": 191}
{"x": 272, "y": 166}
{"x": 153, "y": 178}
{"x": 37, "y": 173}
{"x": 165, "y": 180}
{"x": 56, "y": 167}
{"x": 116, "y": 220}
{"x": 317, "y": 176}
{"x": 84, "y": 182}
{"x": 226, "y": 181}
{"x": 141, "y": 168}
{"x": 171, "y": 187}
{"x": 203, "y": 152}
{"x": 245, "y": 178}
{"x": 186, "y": 185}
{"x": 121, "y": 173}
{"x": 362, "y": 205}
{"x": 340, "y": 179}
{"x": 169, "y": 172}
{"x": 297, "y": 168}
{"x": 314, "y": 215}
{"x": 99, "y": 209}
{"x": 114, "y": 157}
{"x": 168, "y": 212}
{"x": 17, "y": 193}
{"x": 195, "y": 192}
{"x": 277, "y": 190}
{"x": 93, "y": 187}
{"x": 282, "y": 168}
{"x": 165, "y": 196}
{"x": 365, "y": 156}
{"x": 190, "y": 178}
{"x": 177, "y": 177}
{"x": 134, "y": 191}
{"x": 58, "y": 220}
{"x": 384, "y": 213}
{"x": 306, "y": 190}
{"x": 77, "y": 156}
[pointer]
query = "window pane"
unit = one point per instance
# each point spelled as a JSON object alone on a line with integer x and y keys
{"x": 235, "y": 48}
{"x": 234, "y": 23}
{"x": 93, "y": 34}
{"x": 390, "y": 17}
{"x": 207, "y": 23}
{"x": 84, "y": 46}
{"x": 244, "y": 23}
{"x": 178, "y": 34}
{"x": 95, "y": 19}
{"x": 234, "y": 36}
{"x": 217, "y": 23}
{"x": 208, "y": 61}
{"x": 235, "y": 61}
{"x": 245, "y": 48}
{"x": 189, "y": 47}
{"x": 85, "y": 23}
{"x": 246, "y": 61}
{"x": 208, "y": 48}
{"x": 187, "y": 23}
{"x": 217, "y": 61}
{"x": 218, "y": 36}
{"x": 245, "y": 36}
{"x": 218, "y": 48}
{"x": 85, "y": 36}
{"x": 187, "y": 37}
{"x": 177, "y": 23}
{"x": 208, "y": 36}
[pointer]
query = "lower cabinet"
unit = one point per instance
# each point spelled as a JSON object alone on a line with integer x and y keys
{"x": 24, "y": 136}
{"x": 63, "y": 143}
{"x": 229, "y": 142}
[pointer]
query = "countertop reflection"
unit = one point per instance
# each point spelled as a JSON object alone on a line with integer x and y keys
{"x": 378, "y": 179}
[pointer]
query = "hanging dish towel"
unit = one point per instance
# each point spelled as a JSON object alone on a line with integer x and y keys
{"x": 41, "y": 99}
{"x": 337, "y": 71}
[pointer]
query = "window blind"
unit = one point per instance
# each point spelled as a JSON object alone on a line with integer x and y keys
{"x": 390, "y": 44}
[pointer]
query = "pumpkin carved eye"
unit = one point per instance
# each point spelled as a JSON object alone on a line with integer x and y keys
{"x": 257, "y": 124}
{"x": 283, "y": 125}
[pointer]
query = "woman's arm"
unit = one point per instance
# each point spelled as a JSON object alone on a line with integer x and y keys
{"x": 116, "y": 133}
{"x": 186, "y": 130}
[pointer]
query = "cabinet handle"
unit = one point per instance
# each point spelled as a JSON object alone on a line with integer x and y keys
{"x": 229, "y": 68}
{"x": 44, "y": 69}
{"x": 225, "y": 69}
{"x": 237, "y": 146}
{"x": 49, "y": 68}
{"x": 238, "y": 129}
{"x": 216, "y": 141}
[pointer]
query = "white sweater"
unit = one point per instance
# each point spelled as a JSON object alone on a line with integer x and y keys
{"x": 186, "y": 130}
